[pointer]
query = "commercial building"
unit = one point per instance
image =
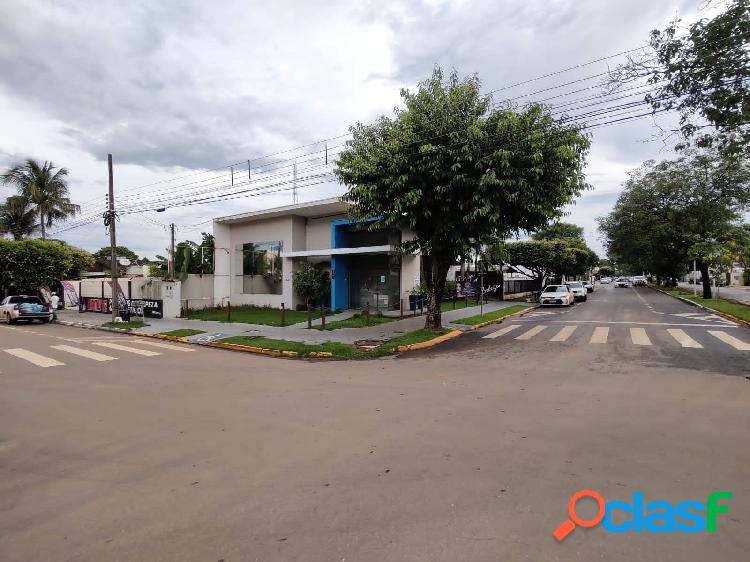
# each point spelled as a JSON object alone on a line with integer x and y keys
{"x": 257, "y": 254}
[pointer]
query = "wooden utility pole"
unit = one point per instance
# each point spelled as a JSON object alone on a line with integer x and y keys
{"x": 113, "y": 241}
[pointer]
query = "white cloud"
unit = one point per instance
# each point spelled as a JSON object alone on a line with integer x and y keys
{"x": 173, "y": 87}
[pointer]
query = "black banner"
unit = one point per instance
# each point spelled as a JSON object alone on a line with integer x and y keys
{"x": 136, "y": 307}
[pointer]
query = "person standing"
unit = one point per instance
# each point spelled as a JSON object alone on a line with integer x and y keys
{"x": 54, "y": 301}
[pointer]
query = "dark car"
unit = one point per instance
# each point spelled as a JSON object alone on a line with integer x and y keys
{"x": 24, "y": 307}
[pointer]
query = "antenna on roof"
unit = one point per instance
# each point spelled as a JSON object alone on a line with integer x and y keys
{"x": 248, "y": 171}
{"x": 231, "y": 168}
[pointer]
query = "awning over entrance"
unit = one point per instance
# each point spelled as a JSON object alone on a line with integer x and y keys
{"x": 328, "y": 252}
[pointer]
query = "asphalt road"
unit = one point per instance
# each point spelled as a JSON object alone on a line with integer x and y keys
{"x": 468, "y": 452}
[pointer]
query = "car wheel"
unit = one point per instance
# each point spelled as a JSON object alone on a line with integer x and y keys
{"x": 9, "y": 319}
{"x": 585, "y": 299}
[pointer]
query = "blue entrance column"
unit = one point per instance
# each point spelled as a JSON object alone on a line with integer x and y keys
{"x": 339, "y": 267}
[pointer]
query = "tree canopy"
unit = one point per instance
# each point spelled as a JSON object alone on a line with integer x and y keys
{"x": 559, "y": 230}
{"x": 669, "y": 210}
{"x": 26, "y": 265}
{"x": 46, "y": 187}
{"x": 458, "y": 172}
{"x": 120, "y": 251}
{"x": 17, "y": 217}
{"x": 702, "y": 72}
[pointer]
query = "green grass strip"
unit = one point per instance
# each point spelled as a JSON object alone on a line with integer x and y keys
{"x": 337, "y": 349}
{"x": 183, "y": 333}
{"x": 736, "y": 309}
{"x": 248, "y": 314}
{"x": 125, "y": 326}
{"x": 493, "y": 315}
{"x": 358, "y": 321}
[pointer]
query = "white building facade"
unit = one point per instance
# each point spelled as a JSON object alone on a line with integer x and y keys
{"x": 257, "y": 254}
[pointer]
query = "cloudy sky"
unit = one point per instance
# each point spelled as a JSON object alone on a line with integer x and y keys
{"x": 173, "y": 89}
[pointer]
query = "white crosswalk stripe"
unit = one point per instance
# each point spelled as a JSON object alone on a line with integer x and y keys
{"x": 35, "y": 358}
{"x": 84, "y": 353}
{"x": 118, "y": 347}
{"x": 164, "y": 345}
{"x": 600, "y": 335}
{"x": 683, "y": 339}
{"x": 564, "y": 333}
{"x": 527, "y": 335}
{"x": 731, "y": 340}
{"x": 639, "y": 336}
{"x": 501, "y": 332}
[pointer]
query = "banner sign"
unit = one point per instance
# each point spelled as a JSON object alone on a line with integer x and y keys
{"x": 137, "y": 307}
{"x": 70, "y": 293}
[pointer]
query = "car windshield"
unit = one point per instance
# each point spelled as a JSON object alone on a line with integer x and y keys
{"x": 575, "y": 284}
{"x": 556, "y": 289}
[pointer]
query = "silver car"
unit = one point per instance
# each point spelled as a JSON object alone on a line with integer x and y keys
{"x": 578, "y": 290}
{"x": 24, "y": 307}
{"x": 556, "y": 295}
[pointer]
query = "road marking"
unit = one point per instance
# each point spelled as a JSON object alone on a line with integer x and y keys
{"x": 639, "y": 323}
{"x": 144, "y": 352}
{"x": 84, "y": 353}
{"x": 501, "y": 332}
{"x": 639, "y": 336}
{"x": 683, "y": 339}
{"x": 35, "y": 358}
{"x": 527, "y": 335}
{"x": 600, "y": 335}
{"x": 731, "y": 340}
{"x": 564, "y": 333}
{"x": 164, "y": 345}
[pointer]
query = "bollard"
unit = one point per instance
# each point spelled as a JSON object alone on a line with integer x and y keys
{"x": 309, "y": 315}
{"x": 283, "y": 315}
{"x": 323, "y": 315}
{"x": 454, "y": 300}
{"x": 401, "y": 307}
{"x": 367, "y": 314}
{"x": 229, "y": 311}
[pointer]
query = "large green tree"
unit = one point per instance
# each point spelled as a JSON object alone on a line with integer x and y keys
{"x": 561, "y": 230}
{"x": 669, "y": 211}
{"x": 120, "y": 252}
{"x": 702, "y": 72}
{"x": 458, "y": 172}
{"x": 17, "y": 217}
{"x": 46, "y": 187}
{"x": 26, "y": 265}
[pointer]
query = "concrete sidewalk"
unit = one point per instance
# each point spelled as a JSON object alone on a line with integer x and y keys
{"x": 295, "y": 332}
{"x": 737, "y": 293}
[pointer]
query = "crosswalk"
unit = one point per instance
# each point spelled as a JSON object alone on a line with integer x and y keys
{"x": 57, "y": 355}
{"x": 601, "y": 335}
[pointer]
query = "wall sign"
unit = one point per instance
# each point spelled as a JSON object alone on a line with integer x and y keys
{"x": 136, "y": 307}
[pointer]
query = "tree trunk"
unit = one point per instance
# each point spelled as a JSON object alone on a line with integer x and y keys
{"x": 309, "y": 315}
{"x": 41, "y": 223}
{"x": 706, "y": 281}
{"x": 435, "y": 270}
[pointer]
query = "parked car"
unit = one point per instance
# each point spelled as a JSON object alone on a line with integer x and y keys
{"x": 605, "y": 280}
{"x": 24, "y": 307}
{"x": 588, "y": 286}
{"x": 622, "y": 282}
{"x": 578, "y": 290}
{"x": 556, "y": 295}
{"x": 639, "y": 280}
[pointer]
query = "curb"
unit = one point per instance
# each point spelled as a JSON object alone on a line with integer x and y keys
{"x": 498, "y": 320}
{"x": 429, "y": 343}
{"x": 713, "y": 311}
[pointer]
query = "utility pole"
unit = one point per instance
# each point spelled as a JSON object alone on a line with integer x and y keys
{"x": 110, "y": 219}
{"x": 171, "y": 252}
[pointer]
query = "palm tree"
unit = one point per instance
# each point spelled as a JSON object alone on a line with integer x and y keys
{"x": 17, "y": 217}
{"x": 46, "y": 188}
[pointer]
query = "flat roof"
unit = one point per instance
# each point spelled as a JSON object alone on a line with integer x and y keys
{"x": 312, "y": 209}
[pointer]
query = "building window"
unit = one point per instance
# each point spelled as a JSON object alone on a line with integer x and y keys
{"x": 261, "y": 268}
